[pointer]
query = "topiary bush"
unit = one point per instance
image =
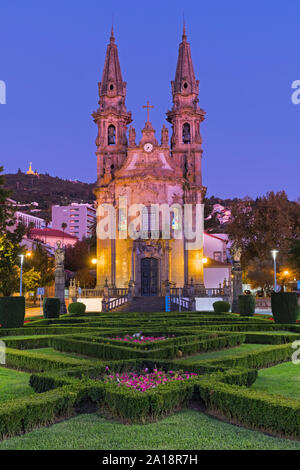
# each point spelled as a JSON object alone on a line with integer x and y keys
{"x": 247, "y": 305}
{"x": 12, "y": 312}
{"x": 51, "y": 307}
{"x": 77, "y": 308}
{"x": 221, "y": 306}
{"x": 285, "y": 307}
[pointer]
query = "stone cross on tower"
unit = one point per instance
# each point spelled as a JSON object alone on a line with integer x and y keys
{"x": 148, "y": 110}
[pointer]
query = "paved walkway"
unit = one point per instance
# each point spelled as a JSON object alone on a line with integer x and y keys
{"x": 33, "y": 312}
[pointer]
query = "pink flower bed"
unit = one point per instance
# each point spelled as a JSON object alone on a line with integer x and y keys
{"x": 147, "y": 380}
{"x": 141, "y": 339}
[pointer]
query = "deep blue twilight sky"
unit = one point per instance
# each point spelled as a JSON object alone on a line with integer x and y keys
{"x": 246, "y": 54}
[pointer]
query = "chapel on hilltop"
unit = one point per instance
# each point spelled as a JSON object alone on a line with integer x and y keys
{"x": 146, "y": 171}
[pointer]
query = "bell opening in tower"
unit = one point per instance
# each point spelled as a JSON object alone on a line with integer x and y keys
{"x": 111, "y": 135}
{"x": 186, "y": 133}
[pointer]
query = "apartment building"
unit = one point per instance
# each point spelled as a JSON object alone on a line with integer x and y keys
{"x": 78, "y": 217}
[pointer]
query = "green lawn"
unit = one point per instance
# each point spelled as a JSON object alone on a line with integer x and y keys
{"x": 186, "y": 430}
{"x": 283, "y": 379}
{"x": 13, "y": 384}
{"x": 54, "y": 354}
{"x": 238, "y": 351}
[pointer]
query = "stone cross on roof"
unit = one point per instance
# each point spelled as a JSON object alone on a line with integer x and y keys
{"x": 148, "y": 110}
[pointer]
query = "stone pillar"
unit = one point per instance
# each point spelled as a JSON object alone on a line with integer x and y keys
{"x": 237, "y": 286}
{"x": 105, "y": 297}
{"x": 168, "y": 293}
{"x": 60, "y": 276}
{"x": 192, "y": 295}
{"x": 237, "y": 275}
{"x": 227, "y": 291}
{"x": 72, "y": 290}
{"x": 130, "y": 290}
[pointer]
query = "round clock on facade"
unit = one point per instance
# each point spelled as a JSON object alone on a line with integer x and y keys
{"x": 148, "y": 147}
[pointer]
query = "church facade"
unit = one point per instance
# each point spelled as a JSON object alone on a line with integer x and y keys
{"x": 148, "y": 247}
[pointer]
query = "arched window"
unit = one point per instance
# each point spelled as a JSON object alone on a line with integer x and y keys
{"x": 186, "y": 133}
{"x": 111, "y": 135}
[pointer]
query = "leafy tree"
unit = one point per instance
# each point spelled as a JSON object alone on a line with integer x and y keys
{"x": 259, "y": 274}
{"x": 28, "y": 229}
{"x": 42, "y": 263}
{"x": 260, "y": 225}
{"x": 85, "y": 279}
{"x": 294, "y": 256}
{"x": 31, "y": 280}
{"x": 64, "y": 226}
{"x": 211, "y": 222}
{"x": 9, "y": 243}
{"x": 286, "y": 276}
{"x": 6, "y": 210}
{"x": 92, "y": 241}
{"x": 8, "y": 265}
{"x": 79, "y": 256}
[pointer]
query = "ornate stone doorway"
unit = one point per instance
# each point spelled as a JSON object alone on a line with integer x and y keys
{"x": 149, "y": 277}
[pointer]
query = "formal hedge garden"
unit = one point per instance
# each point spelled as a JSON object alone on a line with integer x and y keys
{"x": 139, "y": 368}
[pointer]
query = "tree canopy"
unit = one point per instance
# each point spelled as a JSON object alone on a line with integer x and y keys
{"x": 269, "y": 222}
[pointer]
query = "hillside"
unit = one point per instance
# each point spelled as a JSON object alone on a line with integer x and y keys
{"x": 46, "y": 190}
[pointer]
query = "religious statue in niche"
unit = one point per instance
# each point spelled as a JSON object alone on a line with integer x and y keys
{"x": 236, "y": 252}
{"x": 59, "y": 255}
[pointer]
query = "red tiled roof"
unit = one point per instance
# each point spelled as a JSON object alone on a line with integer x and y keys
{"x": 51, "y": 232}
{"x": 214, "y": 236}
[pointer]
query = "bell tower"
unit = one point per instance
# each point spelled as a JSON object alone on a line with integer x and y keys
{"x": 186, "y": 116}
{"x": 111, "y": 117}
{"x": 186, "y": 145}
{"x": 112, "y": 120}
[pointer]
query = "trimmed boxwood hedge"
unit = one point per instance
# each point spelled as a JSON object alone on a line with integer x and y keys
{"x": 51, "y": 307}
{"x": 32, "y": 361}
{"x": 259, "y": 338}
{"x": 109, "y": 351}
{"x": 25, "y": 414}
{"x": 127, "y": 403}
{"x": 246, "y": 305}
{"x": 221, "y": 306}
{"x": 285, "y": 307}
{"x": 77, "y": 308}
{"x": 12, "y": 312}
{"x": 259, "y": 359}
{"x": 251, "y": 408}
{"x": 62, "y": 384}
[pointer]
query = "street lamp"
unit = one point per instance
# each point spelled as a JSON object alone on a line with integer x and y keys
{"x": 94, "y": 261}
{"x": 28, "y": 255}
{"x": 21, "y": 272}
{"x": 274, "y": 254}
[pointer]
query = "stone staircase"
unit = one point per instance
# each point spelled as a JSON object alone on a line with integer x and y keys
{"x": 144, "y": 305}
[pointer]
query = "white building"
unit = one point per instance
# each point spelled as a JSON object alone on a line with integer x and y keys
{"x": 217, "y": 268}
{"x": 26, "y": 219}
{"x": 78, "y": 217}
